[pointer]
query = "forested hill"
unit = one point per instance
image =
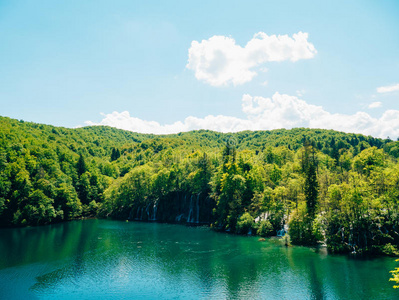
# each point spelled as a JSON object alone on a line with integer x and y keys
{"x": 99, "y": 140}
{"x": 326, "y": 185}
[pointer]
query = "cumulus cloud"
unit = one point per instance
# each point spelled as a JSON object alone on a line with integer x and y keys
{"x": 279, "y": 111}
{"x": 375, "y": 104}
{"x": 388, "y": 88}
{"x": 220, "y": 61}
{"x": 123, "y": 120}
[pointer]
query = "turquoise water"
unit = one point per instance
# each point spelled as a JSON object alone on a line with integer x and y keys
{"x": 104, "y": 259}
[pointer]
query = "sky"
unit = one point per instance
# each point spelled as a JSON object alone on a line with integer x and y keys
{"x": 172, "y": 66}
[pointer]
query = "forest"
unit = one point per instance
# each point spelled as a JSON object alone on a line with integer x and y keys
{"x": 322, "y": 186}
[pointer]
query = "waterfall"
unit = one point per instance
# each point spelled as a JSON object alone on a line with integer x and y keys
{"x": 281, "y": 232}
{"x": 154, "y": 215}
{"x": 148, "y": 211}
{"x": 137, "y": 213}
{"x": 178, "y": 218}
{"x": 198, "y": 207}
{"x": 191, "y": 210}
{"x": 261, "y": 217}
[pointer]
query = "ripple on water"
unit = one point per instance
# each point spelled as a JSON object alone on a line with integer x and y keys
{"x": 110, "y": 259}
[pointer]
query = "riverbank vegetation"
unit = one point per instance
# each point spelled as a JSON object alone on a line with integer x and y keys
{"x": 323, "y": 185}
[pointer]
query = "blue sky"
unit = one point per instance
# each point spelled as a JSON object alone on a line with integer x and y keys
{"x": 126, "y": 64}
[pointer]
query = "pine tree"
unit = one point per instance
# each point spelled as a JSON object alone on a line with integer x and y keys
{"x": 309, "y": 166}
{"x": 81, "y": 165}
{"x": 115, "y": 154}
{"x": 311, "y": 189}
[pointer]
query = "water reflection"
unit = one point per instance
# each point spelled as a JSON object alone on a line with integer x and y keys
{"x": 108, "y": 259}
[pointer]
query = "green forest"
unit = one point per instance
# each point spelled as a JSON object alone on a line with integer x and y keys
{"x": 322, "y": 186}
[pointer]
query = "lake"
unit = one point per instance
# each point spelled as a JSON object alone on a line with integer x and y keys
{"x": 105, "y": 259}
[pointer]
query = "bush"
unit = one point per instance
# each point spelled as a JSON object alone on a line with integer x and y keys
{"x": 245, "y": 223}
{"x": 389, "y": 249}
{"x": 265, "y": 228}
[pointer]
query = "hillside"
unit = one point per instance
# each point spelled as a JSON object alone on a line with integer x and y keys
{"x": 327, "y": 185}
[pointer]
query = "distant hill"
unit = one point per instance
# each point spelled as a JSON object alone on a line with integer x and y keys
{"x": 91, "y": 139}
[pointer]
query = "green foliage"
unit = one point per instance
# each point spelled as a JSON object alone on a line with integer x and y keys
{"x": 368, "y": 160}
{"x": 115, "y": 154}
{"x": 265, "y": 228}
{"x": 395, "y": 277}
{"x": 302, "y": 228}
{"x": 309, "y": 163}
{"x": 275, "y": 175}
{"x": 389, "y": 249}
{"x": 245, "y": 223}
{"x": 81, "y": 165}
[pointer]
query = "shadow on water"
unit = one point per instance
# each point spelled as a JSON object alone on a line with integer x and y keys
{"x": 316, "y": 284}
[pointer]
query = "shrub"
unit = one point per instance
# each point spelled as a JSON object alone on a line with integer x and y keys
{"x": 245, "y": 223}
{"x": 265, "y": 228}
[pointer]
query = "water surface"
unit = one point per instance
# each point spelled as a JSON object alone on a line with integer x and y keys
{"x": 105, "y": 259}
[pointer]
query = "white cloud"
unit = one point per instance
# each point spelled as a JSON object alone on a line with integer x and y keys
{"x": 279, "y": 111}
{"x": 389, "y": 88}
{"x": 375, "y": 104}
{"x": 220, "y": 61}
{"x": 220, "y": 123}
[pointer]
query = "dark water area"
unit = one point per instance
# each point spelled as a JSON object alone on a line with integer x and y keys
{"x": 104, "y": 259}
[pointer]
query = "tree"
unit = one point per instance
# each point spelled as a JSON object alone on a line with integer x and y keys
{"x": 67, "y": 201}
{"x": 230, "y": 187}
{"x": 115, "y": 154}
{"x": 302, "y": 229}
{"x": 81, "y": 165}
{"x": 83, "y": 188}
{"x": 39, "y": 209}
{"x": 275, "y": 175}
{"x": 245, "y": 223}
{"x": 311, "y": 189}
{"x": 309, "y": 165}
